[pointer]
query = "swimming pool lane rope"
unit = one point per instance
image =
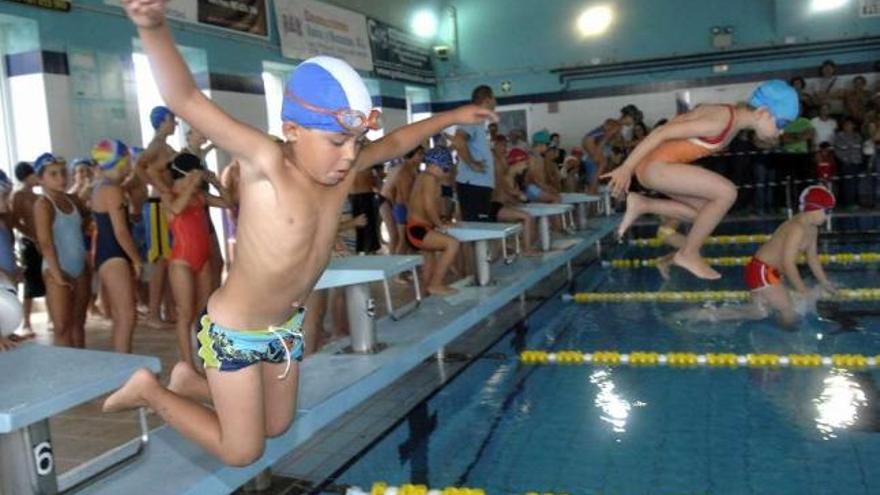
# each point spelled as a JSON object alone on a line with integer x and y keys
{"x": 825, "y": 259}
{"x": 695, "y": 360}
{"x": 382, "y": 488}
{"x": 865, "y": 294}
{"x": 718, "y": 239}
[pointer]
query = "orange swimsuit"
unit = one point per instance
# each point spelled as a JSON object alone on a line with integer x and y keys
{"x": 687, "y": 150}
{"x": 190, "y": 234}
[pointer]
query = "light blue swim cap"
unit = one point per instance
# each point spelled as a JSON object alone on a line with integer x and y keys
{"x": 779, "y": 98}
{"x": 328, "y": 83}
{"x": 541, "y": 137}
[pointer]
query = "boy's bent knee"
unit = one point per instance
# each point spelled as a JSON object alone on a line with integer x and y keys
{"x": 278, "y": 428}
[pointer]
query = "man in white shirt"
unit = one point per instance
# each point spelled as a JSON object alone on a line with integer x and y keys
{"x": 825, "y": 126}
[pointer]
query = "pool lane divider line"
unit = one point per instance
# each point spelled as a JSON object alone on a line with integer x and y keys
{"x": 695, "y": 360}
{"x": 718, "y": 239}
{"x": 864, "y": 294}
{"x": 825, "y": 259}
{"x": 382, "y": 488}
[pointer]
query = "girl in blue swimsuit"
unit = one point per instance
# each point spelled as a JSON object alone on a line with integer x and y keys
{"x": 117, "y": 259}
{"x": 58, "y": 218}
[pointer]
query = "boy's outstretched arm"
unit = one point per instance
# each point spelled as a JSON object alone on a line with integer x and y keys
{"x": 404, "y": 139}
{"x": 183, "y": 97}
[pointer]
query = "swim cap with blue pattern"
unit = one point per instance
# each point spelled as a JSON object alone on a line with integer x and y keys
{"x": 328, "y": 83}
{"x": 439, "y": 156}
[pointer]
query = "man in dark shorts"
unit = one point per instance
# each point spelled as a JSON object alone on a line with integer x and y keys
{"x": 23, "y": 200}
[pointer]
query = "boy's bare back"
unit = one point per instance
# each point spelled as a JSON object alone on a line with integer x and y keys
{"x": 424, "y": 191}
{"x": 773, "y": 252}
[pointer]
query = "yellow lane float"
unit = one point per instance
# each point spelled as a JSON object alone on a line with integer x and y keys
{"x": 693, "y": 360}
{"x": 825, "y": 259}
{"x": 865, "y": 294}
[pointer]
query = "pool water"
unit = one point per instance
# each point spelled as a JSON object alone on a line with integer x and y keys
{"x": 511, "y": 428}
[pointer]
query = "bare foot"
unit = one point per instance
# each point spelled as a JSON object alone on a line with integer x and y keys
{"x": 663, "y": 268}
{"x": 696, "y": 265}
{"x": 94, "y": 310}
{"x": 442, "y": 290}
{"x": 635, "y": 205}
{"x": 186, "y": 381}
{"x": 155, "y": 322}
{"x": 130, "y": 396}
{"x": 664, "y": 264}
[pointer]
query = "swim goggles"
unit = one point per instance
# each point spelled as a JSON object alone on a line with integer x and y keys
{"x": 353, "y": 121}
{"x": 781, "y": 123}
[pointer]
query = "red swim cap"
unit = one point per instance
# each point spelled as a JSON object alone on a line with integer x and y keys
{"x": 817, "y": 198}
{"x": 516, "y": 155}
{"x": 577, "y": 152}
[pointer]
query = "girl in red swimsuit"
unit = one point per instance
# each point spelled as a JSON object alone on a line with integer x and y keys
{"x": 189, "y": 270}
{"x": 696, "y": 195}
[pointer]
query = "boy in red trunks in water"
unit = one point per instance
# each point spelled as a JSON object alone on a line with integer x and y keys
{"x": 695, "y": 195}
{"x": 776, "y": 260}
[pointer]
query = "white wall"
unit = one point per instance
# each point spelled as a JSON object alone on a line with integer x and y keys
{"x": 247, "y": 108}
{"x": 392, "y": 118}
{"x": 64, "y": 134}
{"x": 30, "y": 116}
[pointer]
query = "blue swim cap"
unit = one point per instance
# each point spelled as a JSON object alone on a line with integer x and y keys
{"x": 44, "y": 161}
{"x": 158, "y": 115}
{"x": 328, "y": 83}
{"x": 439, "y": 156}
{"x": 779, "y": 98}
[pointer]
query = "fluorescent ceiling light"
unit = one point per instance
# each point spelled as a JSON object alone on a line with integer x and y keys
{"x": 595, "y": 20}
{"x": 825, "y": 5}
{"x": 424, "y": 24}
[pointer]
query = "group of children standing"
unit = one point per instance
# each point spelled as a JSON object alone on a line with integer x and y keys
{"x": 125, "y": 209}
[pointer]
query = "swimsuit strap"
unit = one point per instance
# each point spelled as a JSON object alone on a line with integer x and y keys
{"x": 721, "y": 137}
{"x": 74, "y": 210}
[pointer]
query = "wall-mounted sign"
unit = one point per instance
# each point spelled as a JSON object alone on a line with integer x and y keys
{"x": 400, "y": 55}
{"x": 242, "y": 16}
{"x": 310, "y": 28}
{"x": 58, "y": 5}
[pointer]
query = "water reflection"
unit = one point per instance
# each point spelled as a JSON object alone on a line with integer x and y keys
{"x": 615, "y": 408}
{"x": 839, "y": 403}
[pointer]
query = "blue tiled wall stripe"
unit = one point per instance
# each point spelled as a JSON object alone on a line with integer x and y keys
{"x": 389, "y": 102}
{"x": 36, "y": 62}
